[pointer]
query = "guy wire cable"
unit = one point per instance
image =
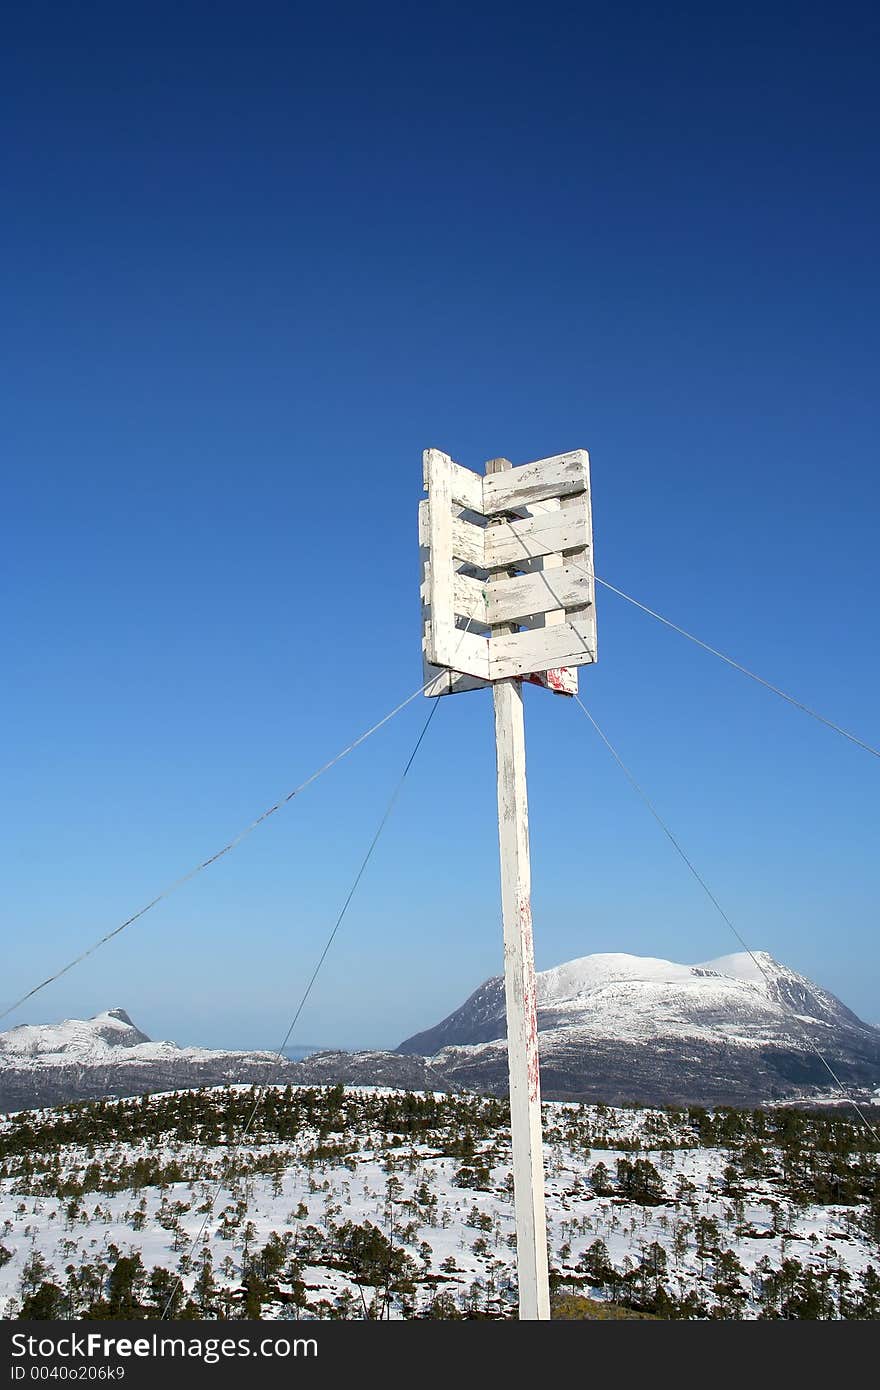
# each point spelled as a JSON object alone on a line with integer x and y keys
{"x": 280, "y": 1058}
{"x": 724, "y": 916}
{"x": 212, "y": 859}
{"x": 698, "y": 641}
{"x": 737, "y": 666}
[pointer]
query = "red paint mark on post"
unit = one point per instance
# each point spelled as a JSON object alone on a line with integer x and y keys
{"x": 562, "y": 680}
{"x": 530, "y": 1000}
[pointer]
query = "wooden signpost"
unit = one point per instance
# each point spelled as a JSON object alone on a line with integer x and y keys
{"x": 508, "y": 595}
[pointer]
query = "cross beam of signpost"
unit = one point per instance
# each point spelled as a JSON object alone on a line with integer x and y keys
{"x": 508, "y": 595}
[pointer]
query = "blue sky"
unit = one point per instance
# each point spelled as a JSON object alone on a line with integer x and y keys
{"x": 254, "y": 261}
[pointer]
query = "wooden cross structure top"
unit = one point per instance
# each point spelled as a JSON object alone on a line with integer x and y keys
{"x": 507, "y": 572}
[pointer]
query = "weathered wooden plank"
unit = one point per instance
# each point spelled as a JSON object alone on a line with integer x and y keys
{"x": 512, "y": 542}
{"x": 438, "y": 472}
{"x": 442, "y": 680}
{"x": 584, "y": 560}
{"x": 469, "y": 654}
{"x": 496, "y": 467}
{"x": 446, "y": 682}
{"x": 465, "y": 486}
{"x": 445, "y": 644}
{"x": 471, "y": 598}
{"x": 557, "y": 476}
{"x": 562, "y": 680}
{"x": 587, "y": 559}
{"x": 468, "y": 542}
{"x": 567, "y": 644}
{"x": 515, "y": 599}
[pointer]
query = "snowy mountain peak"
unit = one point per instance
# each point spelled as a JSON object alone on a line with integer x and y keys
{"x": 747, "y": 998}
{"x": 754, "y": 966}
{"x": 577, "y": 978}
{"x": 119, "y": 1014}
{"x": 75, "y": 1039}
{"x": 781, "y": 986}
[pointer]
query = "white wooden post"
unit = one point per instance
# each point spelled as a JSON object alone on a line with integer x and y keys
{"x": 508, "y": 553}
{"x": 520, "y": 992}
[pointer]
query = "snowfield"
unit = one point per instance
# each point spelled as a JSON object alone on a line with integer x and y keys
{"x": 452, "y": 1214}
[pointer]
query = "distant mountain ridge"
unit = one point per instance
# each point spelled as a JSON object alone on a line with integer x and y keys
{"x": 742, "y": 1029}
{"x": 47, "y": 1063}
{"x": 109, "y": 1056}
{"x": 739, "y": 1030}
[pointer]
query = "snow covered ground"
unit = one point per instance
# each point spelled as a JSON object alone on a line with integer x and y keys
{"x": 462, "y": 1241}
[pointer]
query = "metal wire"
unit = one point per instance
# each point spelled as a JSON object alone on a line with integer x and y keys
{"x": 280, "y": 1058}
{"x": 724, "y": 916}
{"x": 212, "y": 859}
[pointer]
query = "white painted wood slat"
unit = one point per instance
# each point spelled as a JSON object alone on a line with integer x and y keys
{"x": 557, "y": 476}
{"x": 563, "y": 679}
{"x": 515, "y": 599}
{"x": 440, "y": 580}
{"x": 468, "y": 542}
{"x": 471, "y": 600}
{"x": 566, "y": 644}
{"x": 465, "y": 486}
{"x": 579, "y": 506}
{"x": 469, "y": 652}
{"x": 443, "y": 681}
{"x": 511, "y": 542}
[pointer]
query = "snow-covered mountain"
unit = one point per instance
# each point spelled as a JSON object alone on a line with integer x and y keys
{"x": 739, "y": 1029}
{"x": 82, "y": 1059}
{"x": 635, "y": 998}
{"x": 109, "y": 1039}
{"x": 45, "y": 1063}
{"x": 89, "y": 1041}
